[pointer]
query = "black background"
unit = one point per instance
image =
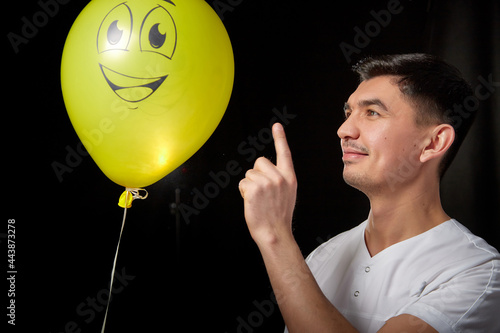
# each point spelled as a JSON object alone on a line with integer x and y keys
{"x": 211, "y": 278}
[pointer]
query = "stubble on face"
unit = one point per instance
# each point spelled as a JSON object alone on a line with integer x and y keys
{"x": 361, "y": 181}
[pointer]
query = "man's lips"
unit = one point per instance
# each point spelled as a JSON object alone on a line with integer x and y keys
{"x": 352, "y": 154}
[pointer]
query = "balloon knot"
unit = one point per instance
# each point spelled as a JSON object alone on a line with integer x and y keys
{"x": 129, "y": 195}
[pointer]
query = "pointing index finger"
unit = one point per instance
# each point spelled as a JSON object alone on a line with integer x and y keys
{"x": 283, "y": 153}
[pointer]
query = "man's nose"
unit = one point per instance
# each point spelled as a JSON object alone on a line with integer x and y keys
{"x": 348, "y": 129}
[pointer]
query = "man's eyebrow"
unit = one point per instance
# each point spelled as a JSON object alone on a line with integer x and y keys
{"x": 370, "y": 102}
{"x": 366, "y": 103}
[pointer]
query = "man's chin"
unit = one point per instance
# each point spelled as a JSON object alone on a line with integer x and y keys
{"x": 361, "y": 182}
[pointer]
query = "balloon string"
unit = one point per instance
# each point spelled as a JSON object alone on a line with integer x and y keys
{"x": 114, "y": 265}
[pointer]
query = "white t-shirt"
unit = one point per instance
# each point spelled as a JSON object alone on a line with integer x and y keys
{"x": 446, "y": 276}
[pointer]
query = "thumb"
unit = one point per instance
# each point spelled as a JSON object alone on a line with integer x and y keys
{"x": 283, "y": 154}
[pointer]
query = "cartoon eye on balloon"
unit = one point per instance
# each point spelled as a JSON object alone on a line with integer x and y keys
{"x": 145, "y": 84}
{"x": 115, "y": 31}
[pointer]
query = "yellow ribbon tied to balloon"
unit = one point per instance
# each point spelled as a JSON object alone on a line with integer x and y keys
{"x": 145, "y": 84}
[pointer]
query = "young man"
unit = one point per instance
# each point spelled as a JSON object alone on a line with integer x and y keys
{"x": 409, "y": 267}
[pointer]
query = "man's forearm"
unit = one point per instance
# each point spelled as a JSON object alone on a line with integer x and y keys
{"x": 302, "y": 303}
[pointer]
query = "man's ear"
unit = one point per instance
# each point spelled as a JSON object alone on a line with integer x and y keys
{"x": 439, "y": 141}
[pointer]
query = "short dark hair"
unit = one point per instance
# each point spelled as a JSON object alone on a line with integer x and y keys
{"x": 433, "y": 86}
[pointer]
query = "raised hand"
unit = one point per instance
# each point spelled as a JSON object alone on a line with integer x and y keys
{"x": 269, "y": 192}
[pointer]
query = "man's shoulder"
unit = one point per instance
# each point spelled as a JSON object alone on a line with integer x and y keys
{"x": 460, "y": 277}
{"x": 447, "y": 248}
{"x": 453, "y": 234}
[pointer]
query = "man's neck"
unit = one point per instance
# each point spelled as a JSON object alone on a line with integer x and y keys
{"x": 403, "y": 214}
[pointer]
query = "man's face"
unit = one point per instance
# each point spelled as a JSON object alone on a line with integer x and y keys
{"x": 381, "y": 142}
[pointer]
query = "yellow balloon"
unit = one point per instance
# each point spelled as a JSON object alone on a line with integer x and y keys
{"x": 145, "y": 84}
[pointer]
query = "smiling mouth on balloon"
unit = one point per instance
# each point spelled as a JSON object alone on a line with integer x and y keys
{"x": 130, "y": 88}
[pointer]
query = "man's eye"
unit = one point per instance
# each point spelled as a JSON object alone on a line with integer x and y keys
{"x": 347, "y": 114}
{"x": 372, "y": 113}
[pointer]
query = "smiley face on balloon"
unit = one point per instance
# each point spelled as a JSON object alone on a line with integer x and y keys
{"x": 157, "y": 38}
{"x": 145, "y": 84}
